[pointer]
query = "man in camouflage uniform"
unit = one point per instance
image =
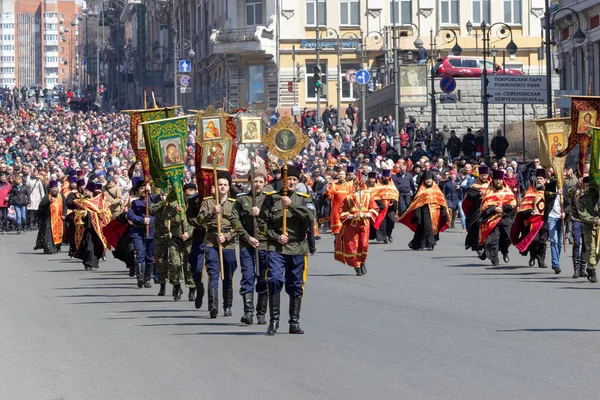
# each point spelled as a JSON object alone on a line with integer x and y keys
{"x": 243, "y": 221}
{"x": 287, "y": 253}
{"x": 196, "y": 258}
{"x": 589, "y": 214}
{"x": 172, "y": 242}
{"x": 207, "y": 217}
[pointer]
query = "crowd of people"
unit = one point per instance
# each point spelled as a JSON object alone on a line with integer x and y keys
{"x": 73, "y": 178}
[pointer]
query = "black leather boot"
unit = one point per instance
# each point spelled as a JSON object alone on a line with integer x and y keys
{"x": 163, "y": 287}
{"x": 575, "y": 268}
{"x": 248, "y": 317}
{"x": 582, "y": 273}
{"x": 199, "y": 296}
{"x": 592, "y": 275}
{"x": 191, "y": 294}
{"x": 148, "y": 276}
{"x": 274, "y": 311}
{"x": 295, "y": 303}
{"x": 261, "y": 308}
{"x": 227, "y": 302}
{"x": 131, "y": 270}
{"x": 213, "y": 300}
{"x": 177, "y": 292}
{"x": 139, "y": 273}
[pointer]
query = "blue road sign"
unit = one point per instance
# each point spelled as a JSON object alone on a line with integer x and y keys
{"x": 185, "y": 66}
{"x": 448, "y": 84}
{"x": 363, "y": 77}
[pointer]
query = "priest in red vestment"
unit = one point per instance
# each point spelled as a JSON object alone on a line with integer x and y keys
{"x": 359, "y": 211}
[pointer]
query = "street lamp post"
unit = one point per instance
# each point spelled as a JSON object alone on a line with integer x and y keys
{"x": 418, "y": 43}
{"x": 579, "y": 37}
{"x": 178, "y": 46}
{"x": 504, "y": 31}
{"x": 456, "y": 50}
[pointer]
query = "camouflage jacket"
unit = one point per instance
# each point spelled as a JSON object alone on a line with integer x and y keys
{"x": 243, "y": 222}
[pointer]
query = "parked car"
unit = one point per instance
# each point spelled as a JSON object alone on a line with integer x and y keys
{"x": 469, "y": 67}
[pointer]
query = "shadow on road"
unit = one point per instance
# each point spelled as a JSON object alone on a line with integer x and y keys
{"x": 125, "y": 302}
{"x": 331, "y": 274}
{"x": 549, "y": 330}
{"x": 224, "y": 333}
{"x": 132, "y": 286}
{"x": 108, "y": 295}
{"x": 233, "y": 324}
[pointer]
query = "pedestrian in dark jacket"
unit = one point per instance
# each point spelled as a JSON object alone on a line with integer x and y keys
{"x": 454, "y": 145}
{"x": 468, "y": 145}
{"x": 452, "y": 193}
{"x": 406, "y": 187}
{"x": 499, "y": 145}
{"x": 19, "y": 199}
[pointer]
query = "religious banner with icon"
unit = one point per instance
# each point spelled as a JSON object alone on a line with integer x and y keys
{"x": 584, "y": 115}
{"x": 165, "y": 141}
{"x": 136, "y": 135}
{"x": 595, "y": 157}
{"x": 553, "y": 135}
{"x": 413, "y": 85}
{"x": 223, "y": 122}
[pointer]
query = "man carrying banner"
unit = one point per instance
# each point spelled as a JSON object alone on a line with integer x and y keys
{"x": 359, "y": 211}
{"x": 386, "y": 193}
{"x": 142, "y": 233}
{"x": 51, "y": 213}
{"x": 244, "y": 216}
{"x": 172, "y": 245}
{"x": 208, "y": 218}
{"x": 196, "y": 257}
{"x": 427, "y": 214}
{"x": 529, "y": 231}
{"x": 472, "y": 209}
{"x": 287, "y": 253}
{"x": 589, "y": 213}
{"x": 577, "y": 227}
{"x": 497, "y": 209}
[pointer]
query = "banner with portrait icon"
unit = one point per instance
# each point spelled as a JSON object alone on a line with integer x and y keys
{"x": 165, "y": 141}
{"x": 213, "y": 125}
{"x": 136, "y": 135}
{"x": 553, "y": 135}
{"x": 585, "y": 114}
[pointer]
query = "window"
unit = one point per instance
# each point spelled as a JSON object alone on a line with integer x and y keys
{"x": 254, "y": 12}
{"x": 481, "y": 11}
{"x": 8, "y": 37}
{"x": 314, "y": 7}
{"x": 512, "y": 11}
{"x": 311, "y": 93}
{"x": 401, "y": 12}
{"x": 8, "y": 47}
{"x": 450, "y": 12}
{"x": 51, "y": 37}
{"x": 256, "y": 84}
{"x": 51, "y": 59}
{"x": 349, "y": 12}
{"x": 7, "y": 26}
{"x": 50, "y": 27}
{"x": 51, "y": 49}
{"x": 350, "y": 91}
{"x": 50, "y": 15}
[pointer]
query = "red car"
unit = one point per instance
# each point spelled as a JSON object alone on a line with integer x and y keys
{"x": 469, "y": 67}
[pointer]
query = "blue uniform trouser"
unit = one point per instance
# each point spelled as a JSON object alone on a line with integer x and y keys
{"x": 144, "y": 250}
{"x": 213, "y": 267}
{"x": 248, "y": 265}
{"x": 196, "y": 260}
{"x": 578, "y": 245}
{"x": 289, "y": 270}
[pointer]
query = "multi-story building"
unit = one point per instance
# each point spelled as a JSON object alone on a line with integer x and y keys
{"x": 39, "y": 42}
{"x": 577, "y": 63}
{"x": 248, "y": 51}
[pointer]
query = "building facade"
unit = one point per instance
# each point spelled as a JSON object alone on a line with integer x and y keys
{"x": 577, "y": 64}
{"x": 255, "y": 51}
{"x": 39, "y": 42}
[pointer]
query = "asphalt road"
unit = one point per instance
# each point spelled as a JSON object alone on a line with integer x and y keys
{"x": 420, "y": 325}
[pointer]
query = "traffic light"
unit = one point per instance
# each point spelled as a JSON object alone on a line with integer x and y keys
{"x": 300, "y": 72}
{"x": 290, "y": 86}
{"x": 317, "y": 77}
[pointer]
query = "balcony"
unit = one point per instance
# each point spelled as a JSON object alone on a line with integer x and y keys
{"x": 259, "y": 39}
